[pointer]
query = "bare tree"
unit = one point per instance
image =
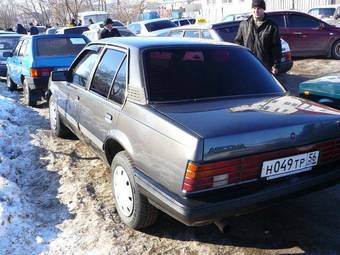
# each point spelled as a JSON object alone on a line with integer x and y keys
{"x": 8, "y": 14}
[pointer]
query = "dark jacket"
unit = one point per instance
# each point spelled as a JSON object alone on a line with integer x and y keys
{"x": 20, "y": 29}
{"x": 107, "y": 33}
{"x": 34, "y": 30}
{"x": 264, "y": 41}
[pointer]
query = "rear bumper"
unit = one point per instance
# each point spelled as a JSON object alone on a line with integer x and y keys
{"x": 211, "y": 207}
{"x": 38, "y": 84}
{"x": 285, "y": 66}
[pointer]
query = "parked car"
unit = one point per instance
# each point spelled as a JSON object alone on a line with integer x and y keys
{"x": 95, "y": 30}
{"x": 198, "y": 129}
{"x": 33, "y": 59}
{"x": 183, "y": 21}
{"x": 324, "y": 90}
{"x": 7, "y": 44}
{"x": 307, "y": 35}
{"x": 41, "y": 29}
{"x": 151, "y": 27}
{"x": 327, "y": 13}
{"x": 225, "y": 31}
{"x": 72, "y": 30}
{"x": 236, "y": 17}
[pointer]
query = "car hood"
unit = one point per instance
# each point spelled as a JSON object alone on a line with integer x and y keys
{"x": 328, "y": 86}
{"x": 235, "y": 127}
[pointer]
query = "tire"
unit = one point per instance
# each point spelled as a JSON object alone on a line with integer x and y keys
{"x": 132, "y": 207}
{"x": 10, "y": 83}
{"x": 57, "y": 127}
{"x": 336, "y": 50}
{"x": 28, "y": 97}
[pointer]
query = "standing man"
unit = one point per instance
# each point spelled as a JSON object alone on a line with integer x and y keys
{"x": 33, "y": 29}
{"x": 261, "y": 36}
{"x": 109, "y": 30}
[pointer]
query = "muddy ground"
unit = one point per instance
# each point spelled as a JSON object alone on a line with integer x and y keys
{"x": 74, "y": 185}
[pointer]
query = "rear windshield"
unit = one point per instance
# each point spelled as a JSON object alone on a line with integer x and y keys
{"x": 59, "y": 46}
{"x": 76, "y": 30}
{"x": 158, "y": 25}
{"x": 198, "y": 73}
{"x": 8, "y": 43}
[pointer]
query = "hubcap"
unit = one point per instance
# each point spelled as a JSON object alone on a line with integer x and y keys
{"x": 53, "y": 116}
{"x": 123, "y": 191}
{"x": 337, "y": 50}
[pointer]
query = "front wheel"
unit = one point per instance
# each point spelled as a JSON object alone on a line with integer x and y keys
{"x": 10, "y": 83}
{"x": 133, "y": 208}
{"x": 336, "y": 50}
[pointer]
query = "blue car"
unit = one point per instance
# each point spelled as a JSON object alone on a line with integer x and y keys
{"x": 35, "y": 57}
{"x": 7, "y": 44}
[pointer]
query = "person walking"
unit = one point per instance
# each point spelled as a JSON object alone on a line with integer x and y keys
{"x": 109, "y": 30}
{"x": 33, "y": 29}
{"x": 261, "y": 36}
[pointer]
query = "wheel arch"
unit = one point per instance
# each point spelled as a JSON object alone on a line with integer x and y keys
{"x": 114, "y": 143}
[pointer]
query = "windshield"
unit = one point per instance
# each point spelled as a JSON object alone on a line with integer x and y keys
{"x": 158, "y": 25}
{"x": 322, "y": 12}
{"x": 8, "y": 43}
{"x": 60, "y": 46}
{"x": 198, "y": 73}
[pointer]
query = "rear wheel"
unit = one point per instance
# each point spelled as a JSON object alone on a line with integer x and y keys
{"x": 28, "y": 95}
{"x": 336, "y": 50}
{"x": 10, "y": 84}
{"x": 133, "y": 208}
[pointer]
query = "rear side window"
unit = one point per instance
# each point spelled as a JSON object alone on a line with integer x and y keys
{"x": 8, "y": 43}
{"x": 278, "y": 20}
{"x": 82, "y": 70}
{"x": 158, "y": 25}
{"x": 17, "y": 48}
{"x": 228, "y": 34}
{"x": 119, "y": 86}
{"x": 302, "y": 21}
{"x": 176, "y": 33}
{"x": 106, "y": 72}
{"x": 23, "y": 48}
{"x": 198, "y": 73}
{"x": 59, "y": 46}
{"x": 192, "y": 34}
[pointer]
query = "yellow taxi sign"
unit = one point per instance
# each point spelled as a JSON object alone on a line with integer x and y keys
{"x": 201, "y": 21}
{"x": 306, "y": 93}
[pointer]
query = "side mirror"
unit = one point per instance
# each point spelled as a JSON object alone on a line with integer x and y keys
{"x": 322, "y": 26}
{"x": 7, "y": 54}
{"x": 61, "y": 76}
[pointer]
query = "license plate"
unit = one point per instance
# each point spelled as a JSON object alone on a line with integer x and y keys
{"x": 290, "y": 165}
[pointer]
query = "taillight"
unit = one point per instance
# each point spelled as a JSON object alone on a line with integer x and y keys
{"x": 40, "y": 72}
{"x": 199, "y": 177}
{"x": 213, "y": 175}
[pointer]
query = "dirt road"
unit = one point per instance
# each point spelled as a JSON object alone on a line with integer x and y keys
{"x": 74, "y": 196}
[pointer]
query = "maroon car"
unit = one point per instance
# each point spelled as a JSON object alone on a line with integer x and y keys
{"x": 307, "y": 35}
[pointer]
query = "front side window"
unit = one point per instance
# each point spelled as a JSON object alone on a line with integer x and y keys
{"x": 106, "y": 72}
{"x": 302, "y": 22}
{"x": 119, "y": 86}
{"x": 82, "y": 70}
{"x": 198, "y": 73}
{"x": 60, "y": 46}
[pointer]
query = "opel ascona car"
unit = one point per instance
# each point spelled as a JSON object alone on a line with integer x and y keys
{"x": 197, "y": 129}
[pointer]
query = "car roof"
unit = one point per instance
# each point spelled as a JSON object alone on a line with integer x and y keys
{"x": 148, "y": 21}
{"x": 140, "y": 42}
{"x": 326, "y": 6}
{"x": 54, "y": 36}
{"x": 194, "y": 26}
{"x": 10, "y": 35}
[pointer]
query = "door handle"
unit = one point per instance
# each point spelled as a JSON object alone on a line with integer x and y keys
{"x": 77, "y": 98}
{"x": 108, "y": 117}
{"x": 297, "y": 33}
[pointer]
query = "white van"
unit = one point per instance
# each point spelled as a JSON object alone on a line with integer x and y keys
{"x": 327, "y": 13}
{"x": 96, "y": 16}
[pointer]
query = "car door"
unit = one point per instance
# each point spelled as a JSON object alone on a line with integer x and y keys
{"x": 21, "y": 61}
{"x": 81, "y": 71}
{"x": 13, "y": 64}
{"x": 309, "y": 37}
{"x": 101, "y": 106}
